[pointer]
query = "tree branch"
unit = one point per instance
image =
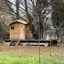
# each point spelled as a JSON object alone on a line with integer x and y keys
{"x": 4, "y": 23}
{"x": 12, "y": 10}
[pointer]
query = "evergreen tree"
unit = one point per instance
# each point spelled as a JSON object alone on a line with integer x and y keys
{"x": 4, "y": 34}
{"x": 58, "y": 13}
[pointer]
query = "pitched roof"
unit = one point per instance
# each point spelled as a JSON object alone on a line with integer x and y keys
{"x": 19, "y": 21}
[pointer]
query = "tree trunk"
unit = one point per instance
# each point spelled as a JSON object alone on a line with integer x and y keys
{"x": 17, "y": 9}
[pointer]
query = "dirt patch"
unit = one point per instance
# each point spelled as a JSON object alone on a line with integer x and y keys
{"x": 30, "y": 50}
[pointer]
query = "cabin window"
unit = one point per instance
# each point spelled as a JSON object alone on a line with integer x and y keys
{"x": 12, "y": 27}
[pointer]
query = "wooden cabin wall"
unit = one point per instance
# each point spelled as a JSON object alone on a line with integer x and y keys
{"x": 15, "y": 33}
{"x": 28, "y": 34}
{"x": 22, "y": 31}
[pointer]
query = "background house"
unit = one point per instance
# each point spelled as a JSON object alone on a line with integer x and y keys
{"x": 20, "y": 30}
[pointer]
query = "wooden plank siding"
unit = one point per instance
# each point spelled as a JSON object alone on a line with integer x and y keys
{"x": 22, "y": 31}
{"x": 28, "y": 34}
{"x": 15, "y": 33}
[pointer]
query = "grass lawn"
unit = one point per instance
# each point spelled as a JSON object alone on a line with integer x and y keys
{"x": 25, "y": 59}
{"x": 29, "y": 55}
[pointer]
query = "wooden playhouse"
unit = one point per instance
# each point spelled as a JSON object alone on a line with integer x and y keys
{"x": 20, "y": 30}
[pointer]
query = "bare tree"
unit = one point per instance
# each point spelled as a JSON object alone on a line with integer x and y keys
{"x": 33, "y": 11}
{"x": 5, "y": 13}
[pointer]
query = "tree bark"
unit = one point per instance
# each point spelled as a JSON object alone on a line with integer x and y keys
{"x": 17, "y": 9}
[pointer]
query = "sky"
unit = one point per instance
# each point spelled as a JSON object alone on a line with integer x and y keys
{"x": 11, "y": 0}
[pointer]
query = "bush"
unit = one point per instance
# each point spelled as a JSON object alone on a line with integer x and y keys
{"x": 4, "y": 32}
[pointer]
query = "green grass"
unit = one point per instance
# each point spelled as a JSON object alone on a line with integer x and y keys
{"x": 25, "y": 59}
